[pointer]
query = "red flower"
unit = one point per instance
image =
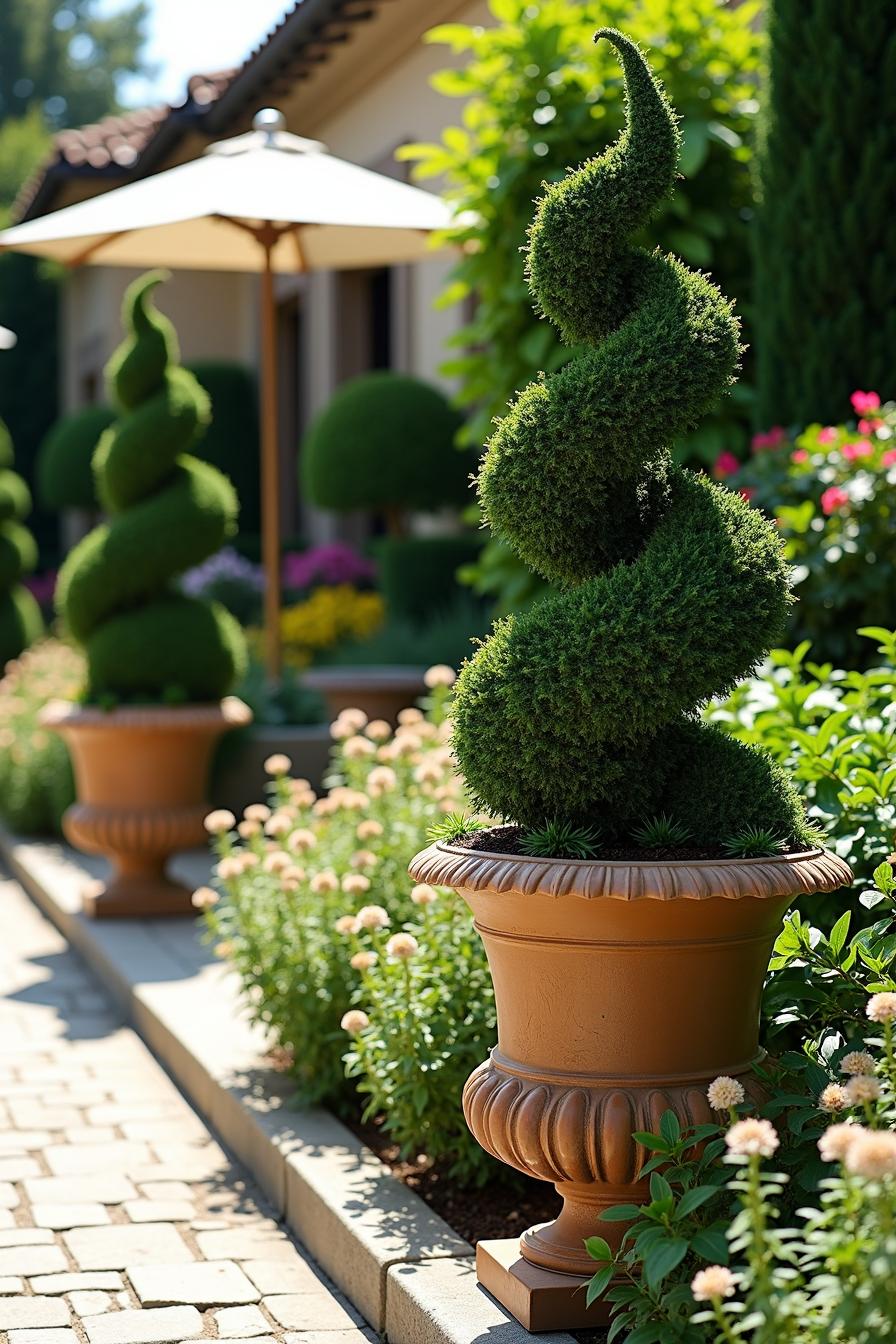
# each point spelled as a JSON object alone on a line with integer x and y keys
{"x": 726, "y": 464}
{"x": 853, "y": 451}
{"x": 864, "y": 401}
{"x": 833, "y": 498}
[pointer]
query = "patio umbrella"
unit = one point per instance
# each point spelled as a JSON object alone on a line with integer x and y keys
{"x": 7, "y": 338}
{"x": 266, "y": 201}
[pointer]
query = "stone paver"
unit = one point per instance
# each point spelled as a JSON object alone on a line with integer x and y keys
{"x": 122, "y": 1221}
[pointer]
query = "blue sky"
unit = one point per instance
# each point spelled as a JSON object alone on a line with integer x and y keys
{"x": 190, "y": 36}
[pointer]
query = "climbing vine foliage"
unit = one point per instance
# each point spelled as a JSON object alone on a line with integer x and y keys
{"x": 585, "y": 707}
{"x": 167, "y": 511}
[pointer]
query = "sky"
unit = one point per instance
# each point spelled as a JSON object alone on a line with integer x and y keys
{"x": 187, "y": 37}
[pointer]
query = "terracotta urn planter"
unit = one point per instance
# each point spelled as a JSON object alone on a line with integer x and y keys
{"x": 622, "y": 990}
{"x": 141, "y": 776}
{"x": 381, "y": 691}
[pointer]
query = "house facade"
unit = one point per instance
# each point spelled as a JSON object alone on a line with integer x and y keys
{"x": 351, "y": 73}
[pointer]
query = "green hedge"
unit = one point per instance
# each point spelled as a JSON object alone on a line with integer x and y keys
{"x": 418, "y": 575}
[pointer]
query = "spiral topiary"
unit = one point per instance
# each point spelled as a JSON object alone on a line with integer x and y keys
{"x": 20, "y": 618}
{"x": 167, "y": 512}
{"x": 585, "y": 708}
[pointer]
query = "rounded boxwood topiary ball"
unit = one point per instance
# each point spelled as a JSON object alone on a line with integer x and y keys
{"x": 65, "y": 458}
{"x": 385, "y": 441}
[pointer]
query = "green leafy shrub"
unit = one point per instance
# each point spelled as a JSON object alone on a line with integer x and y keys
{"x": 834, "y": 732}
{"x": 20, "y": 619}
{"x": 36, "y": 784}
{"x": 358, "y": 974}
{"x": 582, "y": 708}
{"x": 418, "y": 575}
{"x": 537, "y": 98}
{"x": 831, "y": 489}
{"x": 167, "y": 512}
{"x": 825, "y": 245}
{"x": 230, "y": 439}
{"x": 64, "y": 460}
{"x": 385, "y": 441}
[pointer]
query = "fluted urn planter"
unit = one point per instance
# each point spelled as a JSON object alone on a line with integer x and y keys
{"x": 141, "y": 775}
{"x": 622, "y": 990}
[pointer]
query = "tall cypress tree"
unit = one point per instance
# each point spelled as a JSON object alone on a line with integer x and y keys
{"x": 825, "y": 235}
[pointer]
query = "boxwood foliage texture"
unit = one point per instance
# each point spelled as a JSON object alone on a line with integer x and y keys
{"x": 585, "y": 707}
{"x": 167, "y": 512}
{"x": 20, "y": 618}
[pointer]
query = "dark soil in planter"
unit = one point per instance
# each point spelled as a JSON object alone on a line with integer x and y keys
{"x": 506, "y": 840}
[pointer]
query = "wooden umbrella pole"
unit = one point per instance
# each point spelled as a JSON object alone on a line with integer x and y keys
{"x": 270, "y": 463}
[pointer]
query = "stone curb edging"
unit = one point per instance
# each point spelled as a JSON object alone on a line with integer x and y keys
{"x": 409, "y": 1274}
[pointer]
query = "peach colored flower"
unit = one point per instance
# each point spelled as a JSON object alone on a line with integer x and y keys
{"x": 300, "y": 841}
{"x": 857, "y": 1061}
{"x": 346, "y": 924}
{"x": 224, "y": 950}
{"x": 381, "y": 780}
{"x": 228, "y": 868}
{"x": 324, "y": 882}
{"x": 836, "y": 1140}
{"x": 752, "y": 1136}
{"x": 355, "y": 748}
{"x": 440, "y": 674}
{"x": 724, "y": 1092}
{"x": 204, "y": 898}
{"x": 362, "y": 961}
{"x": 713, "y": 1283}
{"x": 278, "y": 764}
{"x": 882, "y": 1007}
{"x": 364, "y": 858}
{"x": 403, "y": 946}
{"x": 372, "y": 917}
{"x": 410, "y": 715}
{"x": 257, "y": 812}
{"x": 216, "y": 823}
{"x": 249, "y": 829}
{"x": 862, "y": 1088}
{"x": 354, "y": 1021}
{"x": 248, "y": 860}
{"x": 378, "y": 730}
{"x": 278, "y": 825}
{"x": 872, "y": 1154}
{"x": 369, "y": 829}
{"x": 424, "y": 894}
{"x": 355, "y": 884}
{"x": 834, "y": 1098}
{"x": 277, "y": 862}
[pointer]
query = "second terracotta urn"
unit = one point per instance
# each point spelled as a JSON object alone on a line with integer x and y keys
{"x": 623, "y": 990}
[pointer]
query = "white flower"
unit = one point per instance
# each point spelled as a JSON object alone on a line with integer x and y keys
{"x": 751, "y": 1136}
{"x": 355, "y": 748}
{"x": 372, "y": 917}
{"x": 836, "y": 1141}
{"x": 862, "y": 1088}
{"x": 216, "y": 823}
{"x": 439, "y": 675}
{"x": 364, "y": 858}
{"x": 857, "y": 1061}
{"x": 348, "y": 722}
{"x": 834, "y": 1098}
{"x": 724, "y": 1092}
{"x": 354, "y": 1021}
{"x": 382, "y": 779}
{"x": 204, "y": 898}
{"x": 410, "y": 715}
{"x": 257, "y": 812}
{"x": 369, "y": 829}
{"x": 355, "y": 884}
{"x": 872, "y": 1154}
{"x": 346, "y": 924}
{"x": 882, "y": 1007}
{"x": 278, "y": 764}
{"x": 362, "y": 961}
{"x": 402, "y": 945}
{"x": 300, "y": 841}
{"x": 424, "y": 894}
{"x": 713, "y": 1283}
{"x": 324, "y": 882}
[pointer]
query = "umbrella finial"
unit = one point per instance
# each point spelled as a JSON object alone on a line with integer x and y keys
{"x": 269, "y": 121}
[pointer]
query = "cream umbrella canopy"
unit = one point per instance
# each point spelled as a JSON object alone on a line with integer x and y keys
{"x": 268, "y": 202}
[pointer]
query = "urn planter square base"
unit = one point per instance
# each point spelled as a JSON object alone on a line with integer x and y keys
{"x": 538, "y": 1298}
{"x": 136, "y": 898}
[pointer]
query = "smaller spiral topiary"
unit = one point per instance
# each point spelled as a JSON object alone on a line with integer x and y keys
{"x": 167, "y": 512}
{"x": 20, "y": 618}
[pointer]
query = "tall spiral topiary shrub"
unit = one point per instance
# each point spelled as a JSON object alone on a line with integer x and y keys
{"x": 586, "y": 708}
{"x": 20, "y": 618}
{"x": 167, "y": 512}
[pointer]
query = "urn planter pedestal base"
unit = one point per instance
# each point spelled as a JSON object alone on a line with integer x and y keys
{"x": 622, "y": 991}
{"x": 141, "y": 775}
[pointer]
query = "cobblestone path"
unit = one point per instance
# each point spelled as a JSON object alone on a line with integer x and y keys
{"x": 122, "y": 1221}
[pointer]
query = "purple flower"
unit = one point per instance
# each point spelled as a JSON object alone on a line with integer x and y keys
{"x": 226, "y": 564}
{"x": 329, "y": 565}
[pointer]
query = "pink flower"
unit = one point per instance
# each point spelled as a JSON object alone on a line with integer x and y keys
{"x": 889, "y": 458}
{"x": 853, "y": 451}
{"x": 800, "y": 455}
{"x": 773, "y": 438}
{"x": 746, "y": 492}
{"x": 833, "y": 498}
{"x": 726, "y": 464}
{"x": 864, "y": 401}
{"x": 869, "y": 426}
{"x": 827, "y": 435}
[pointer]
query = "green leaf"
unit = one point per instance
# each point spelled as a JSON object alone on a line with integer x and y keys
{"x": 662, "y": 1258}
{"x": 659, "y": 1187}
{"x": 694, "y": 1199}
{"x": 712, "y": 1244}
{"x": 839, "y": 932}
{"x": 598, "y": 1284}
{"x": 598, "y": 1248}
{"x": 621, "y": 1213}
{"x": 670, "y": 1127}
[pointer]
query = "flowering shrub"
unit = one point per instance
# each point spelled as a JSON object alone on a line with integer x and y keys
{"x": 831, "y": 489}
{"x": 35, "y": 775}
{"x": 325, "y": 618}
{"x": 835, "y": 733}
{"x": 357, "y": 972}
{"x": 333, "y": 564}
{"x": 229, "y": 578}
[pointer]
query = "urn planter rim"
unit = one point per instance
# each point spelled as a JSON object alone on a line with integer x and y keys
{"x": 810, "y": 870}
{"x": 229, "y": 711}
